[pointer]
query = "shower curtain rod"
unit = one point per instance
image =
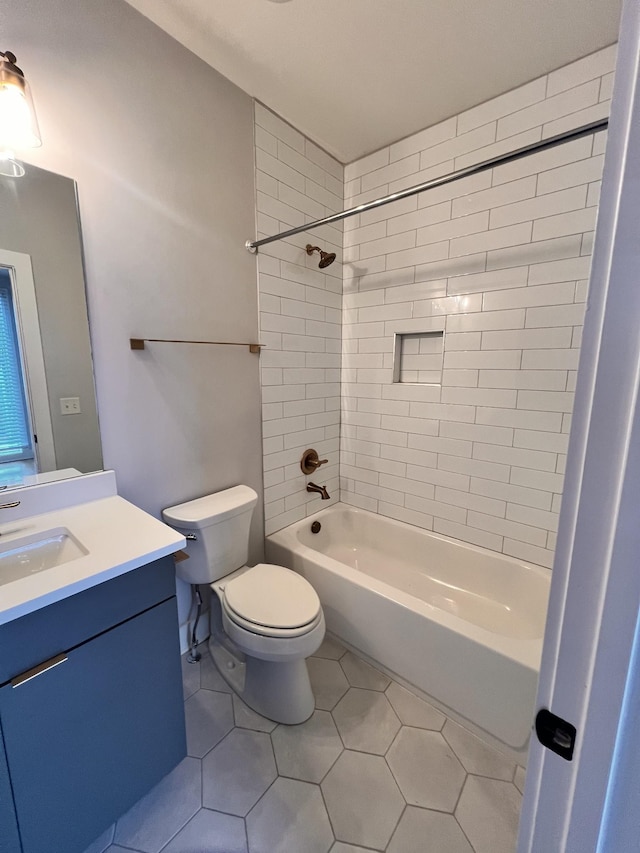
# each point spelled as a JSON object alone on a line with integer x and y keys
{"x": 559, "y": 139}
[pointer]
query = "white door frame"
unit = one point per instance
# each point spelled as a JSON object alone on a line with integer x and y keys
{"x": 595, "y": 590}
{"x": 30, "y": 342}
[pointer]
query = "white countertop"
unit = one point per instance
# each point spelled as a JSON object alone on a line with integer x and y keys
{"x": 117, "y": 535}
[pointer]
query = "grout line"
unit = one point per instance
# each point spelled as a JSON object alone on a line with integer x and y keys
{"x": 455, "y": 817}
{"x": 395, "y": 828}
{"x": 246, "y": 832}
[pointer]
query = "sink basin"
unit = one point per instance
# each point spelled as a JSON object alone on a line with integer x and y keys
{"x": 36, "y": 552}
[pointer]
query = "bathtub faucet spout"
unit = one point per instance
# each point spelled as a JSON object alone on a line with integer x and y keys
{"x": 321, "y": 490}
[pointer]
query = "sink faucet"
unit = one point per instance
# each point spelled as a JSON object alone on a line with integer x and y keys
{"x": 9, "y": 505}
{"x": 321, "y": 490}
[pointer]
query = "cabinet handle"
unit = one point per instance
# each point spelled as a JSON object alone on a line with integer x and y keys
{"x": 45, "y": 666}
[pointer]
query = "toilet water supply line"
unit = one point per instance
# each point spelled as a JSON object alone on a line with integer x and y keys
{"x": 196, "y": 598}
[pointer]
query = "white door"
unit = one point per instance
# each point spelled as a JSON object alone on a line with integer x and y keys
{"x": 592, "y": 803}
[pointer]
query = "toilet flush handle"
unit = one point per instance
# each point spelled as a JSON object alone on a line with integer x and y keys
{"x": 191, "y": 537}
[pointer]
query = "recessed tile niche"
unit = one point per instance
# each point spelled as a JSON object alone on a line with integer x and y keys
{"x": 418, "y": 358}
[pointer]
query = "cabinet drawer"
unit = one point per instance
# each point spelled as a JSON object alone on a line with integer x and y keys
{"x": 86, "y": 738}
{"x": 27, "y": 641}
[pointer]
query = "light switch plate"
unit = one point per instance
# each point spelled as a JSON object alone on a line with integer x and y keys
{"x": 70, "y": 405}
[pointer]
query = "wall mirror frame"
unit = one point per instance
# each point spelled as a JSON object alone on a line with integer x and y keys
{"x": 46, "y": 333}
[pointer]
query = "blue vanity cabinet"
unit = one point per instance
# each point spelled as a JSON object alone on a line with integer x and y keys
{"x": 96, "y": 725}
{"x": 9, "y": 838}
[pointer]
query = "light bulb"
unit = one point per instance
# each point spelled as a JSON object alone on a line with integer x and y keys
{"x": 15, "y": 118}
{"x": 18, "y": 124}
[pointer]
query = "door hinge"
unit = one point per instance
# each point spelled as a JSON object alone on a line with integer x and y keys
{"x": 555, "y": 733}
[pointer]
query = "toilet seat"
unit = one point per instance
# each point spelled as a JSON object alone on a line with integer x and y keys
{"x": 266, "y": 631}
{"x": 272, "y": 601}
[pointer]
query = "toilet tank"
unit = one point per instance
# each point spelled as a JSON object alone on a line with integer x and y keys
{"x": 220, "y": 523}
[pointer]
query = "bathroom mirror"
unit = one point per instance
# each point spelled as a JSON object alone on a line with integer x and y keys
{"x": 48, "y": 416}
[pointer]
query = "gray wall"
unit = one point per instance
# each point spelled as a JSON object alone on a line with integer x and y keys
{"x": 162, "y": 149}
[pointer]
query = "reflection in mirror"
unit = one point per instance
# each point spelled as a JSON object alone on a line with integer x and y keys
{"x": 48, "y": 416}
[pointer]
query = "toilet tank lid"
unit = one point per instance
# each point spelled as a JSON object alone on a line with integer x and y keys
{"x": 211, "y": 509}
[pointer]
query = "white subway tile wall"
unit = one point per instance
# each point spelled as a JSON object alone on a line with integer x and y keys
{"x": 501, "y": 261}
{"x": 300, "y": 318}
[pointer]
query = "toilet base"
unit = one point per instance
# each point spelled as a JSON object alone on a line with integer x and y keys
{"x": 278, "y": 691}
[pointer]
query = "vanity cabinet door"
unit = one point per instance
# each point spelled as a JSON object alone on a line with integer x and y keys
{"x": 9, "y": 839}
{"x": 96, "y": 730}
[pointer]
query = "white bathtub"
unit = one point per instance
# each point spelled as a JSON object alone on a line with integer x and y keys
{"x": 462, "y": 624}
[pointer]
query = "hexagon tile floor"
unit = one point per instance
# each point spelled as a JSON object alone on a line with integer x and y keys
{"x": 374, "y": 769}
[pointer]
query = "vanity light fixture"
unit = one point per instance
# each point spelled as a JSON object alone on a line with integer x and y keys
{"x": 18, "y": 123}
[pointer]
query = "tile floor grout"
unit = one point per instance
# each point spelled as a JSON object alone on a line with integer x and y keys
{"x": 357, "y": 771}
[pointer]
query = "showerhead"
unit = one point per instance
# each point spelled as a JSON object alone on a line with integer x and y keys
{"x": 326, "y": 258}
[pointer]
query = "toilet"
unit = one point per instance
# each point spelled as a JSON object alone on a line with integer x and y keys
{"x": 265, "y": 619}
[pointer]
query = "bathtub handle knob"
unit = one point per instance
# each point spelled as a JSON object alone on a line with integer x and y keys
{"x": 310, "y": 461}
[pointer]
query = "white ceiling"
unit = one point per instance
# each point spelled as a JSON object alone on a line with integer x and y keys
{"x": 355, "y": 75}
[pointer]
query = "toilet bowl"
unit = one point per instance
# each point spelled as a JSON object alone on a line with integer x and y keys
{"x": 265, "y": 620}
